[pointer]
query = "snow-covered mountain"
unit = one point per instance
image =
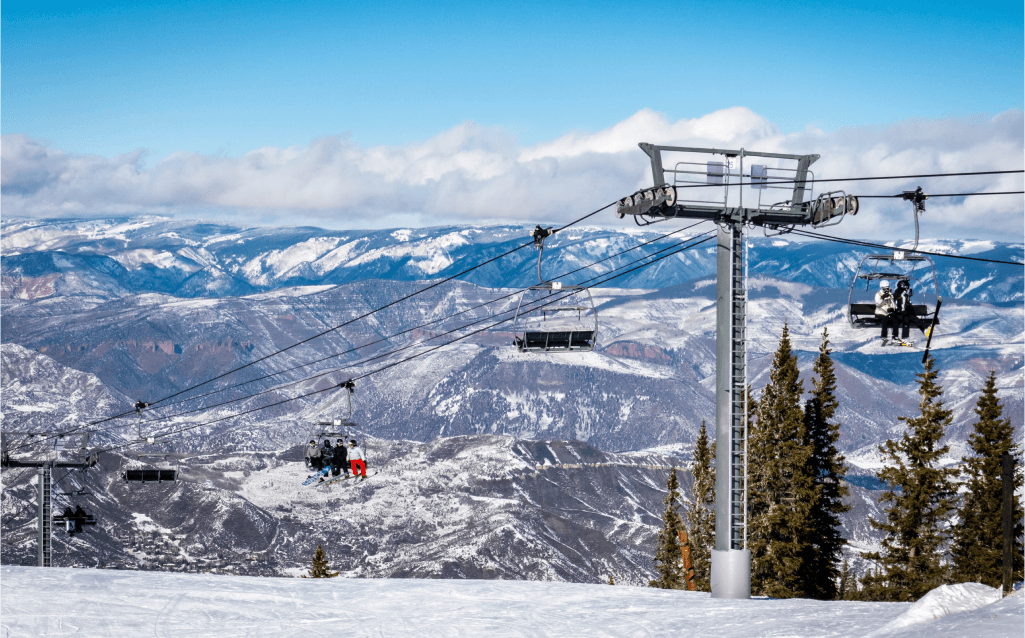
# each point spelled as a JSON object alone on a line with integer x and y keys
{"x": 479, "y": 506}
{"x": 113, "y": 258}
{"x": 98, "y": 315}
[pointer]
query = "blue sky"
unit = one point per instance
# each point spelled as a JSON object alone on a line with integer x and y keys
{"x": 226, "y": 78}
{"x": 217, "y": 81}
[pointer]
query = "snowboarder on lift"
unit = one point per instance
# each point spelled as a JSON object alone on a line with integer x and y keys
{"x": 356, "y": 460}
{"x": 340, "y": 459}
{"x": 885, "y": 311}
{"x": 80, "y": 517}
{"x": 904, "y": 311}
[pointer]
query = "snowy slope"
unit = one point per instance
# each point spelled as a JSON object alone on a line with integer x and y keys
{"x": 118, "y": 603}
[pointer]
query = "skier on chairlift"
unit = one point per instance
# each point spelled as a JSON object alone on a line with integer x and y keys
{"x": 885, "y": 311}
{"x": 340, "y": 459}
{"x": 904, "y": 311}
{"x": 356, "y": 460}
{"x": 313, "y": 455}
{"x": 80, "y": 517}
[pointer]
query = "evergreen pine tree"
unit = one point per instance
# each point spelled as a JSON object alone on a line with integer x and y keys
{"x": 668, "y": 560}
{"x": 782, "y": 489}
{"x": 701, "y": 513}
{"x": 921, "y": 496}
{"x": 319, "y": 567}
{"x": 978, "y": 539}
{"x": 827, "y": 470}
{"x": 846, "y": 581}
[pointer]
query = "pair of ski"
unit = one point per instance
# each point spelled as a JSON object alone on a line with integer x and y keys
{"x": 320, "y": 478}
{"x": 899, "y": 342}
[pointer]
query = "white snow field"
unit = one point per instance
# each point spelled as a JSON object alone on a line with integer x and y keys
{"x": 108, "y": 603}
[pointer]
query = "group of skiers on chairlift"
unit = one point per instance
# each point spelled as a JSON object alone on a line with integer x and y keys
{"x": 895, "y": 312}
{"x": 336, "y": 459}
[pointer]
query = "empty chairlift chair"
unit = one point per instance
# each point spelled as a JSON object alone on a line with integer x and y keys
{"x": 554, "y": 317}
{"x": 151, "y": 468}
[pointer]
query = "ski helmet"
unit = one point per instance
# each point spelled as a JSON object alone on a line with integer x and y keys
{"x": 884, "y": 284}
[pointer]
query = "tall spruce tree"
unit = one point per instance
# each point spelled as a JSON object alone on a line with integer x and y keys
{"x": 827, "y": 470}
{"x": 977, "y": 550}
{"x": 668, "y": 559}
{"x": 781, "y": 486}
{"x": 701, "y": 513}
{"x": 319, "y": 567}
{"x": 921, "y": 498}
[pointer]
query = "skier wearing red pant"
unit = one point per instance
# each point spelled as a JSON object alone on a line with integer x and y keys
{"x": 356, "y": 460}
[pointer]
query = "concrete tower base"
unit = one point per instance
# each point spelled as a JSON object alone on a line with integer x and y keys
{"x": 731, "y": 573}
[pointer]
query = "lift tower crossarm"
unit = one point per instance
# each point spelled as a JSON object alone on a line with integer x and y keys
{"x": 665, "y": 199}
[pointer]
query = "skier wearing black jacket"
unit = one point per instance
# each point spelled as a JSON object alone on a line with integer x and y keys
{"x": 326, "y": 453}
{"x": 904, "y": 311}
{"x": 340, "y": 459}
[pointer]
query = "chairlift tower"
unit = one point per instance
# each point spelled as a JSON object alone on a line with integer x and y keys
{"x": 44, "y": 489}
{"x": 708, "y": 183}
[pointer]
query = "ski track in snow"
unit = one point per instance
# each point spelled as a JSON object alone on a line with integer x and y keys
{"x": 126, "y": 603}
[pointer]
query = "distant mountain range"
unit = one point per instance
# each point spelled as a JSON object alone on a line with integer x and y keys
{"x": 114, "y": 258}
{"x": 97, "y": 315}
{"x": 95, "y": 296}
{"x": 477, "y": 506}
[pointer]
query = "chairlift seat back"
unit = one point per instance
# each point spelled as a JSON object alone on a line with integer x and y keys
{"x": 865, "y": 313}
{"x": 562, "y": 341}
{"x": 150, "y": 475}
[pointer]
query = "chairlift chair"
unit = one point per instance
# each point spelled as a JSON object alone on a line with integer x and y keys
{"x": 330, "y": 431}
{"x": 900, "y": 265}
{"x": 151, "y": 467}
{"x": 75, "y": 521}
{"x": 552, "y": 316}
{"x": 897, "y": 266}
{"x": 336, "y": 428}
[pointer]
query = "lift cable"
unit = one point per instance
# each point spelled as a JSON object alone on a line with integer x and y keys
{"x": 389, "y": 353}
{"x": 407, "y": 347}
{"x": 775, "y": 182}
{"x": 425, "y": 324}
{"x": 535, "y": 306}
{"x": 855, "y": 242}
{"x": 411, "y": 358}
{"x": 946, "y": 194}
{"x": 363, "y": 316}
{"x": 438, "y": 283}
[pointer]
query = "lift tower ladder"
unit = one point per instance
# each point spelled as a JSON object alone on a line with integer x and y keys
{"x": 708, "y": 183}
{"x": 45, "y": 515}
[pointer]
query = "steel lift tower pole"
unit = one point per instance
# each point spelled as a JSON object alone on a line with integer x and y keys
{"x": 698, "y": 186}
{"x": 45, "y": 514}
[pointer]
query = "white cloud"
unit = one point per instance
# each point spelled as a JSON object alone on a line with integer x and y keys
{"x": 477, "y": 174}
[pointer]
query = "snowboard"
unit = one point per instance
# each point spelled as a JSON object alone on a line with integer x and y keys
{"x": 316, "y": 476}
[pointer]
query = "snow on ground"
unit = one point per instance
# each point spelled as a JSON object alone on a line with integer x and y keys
{"x": 125, "y": 603}
{"x": 943, "y": 601}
